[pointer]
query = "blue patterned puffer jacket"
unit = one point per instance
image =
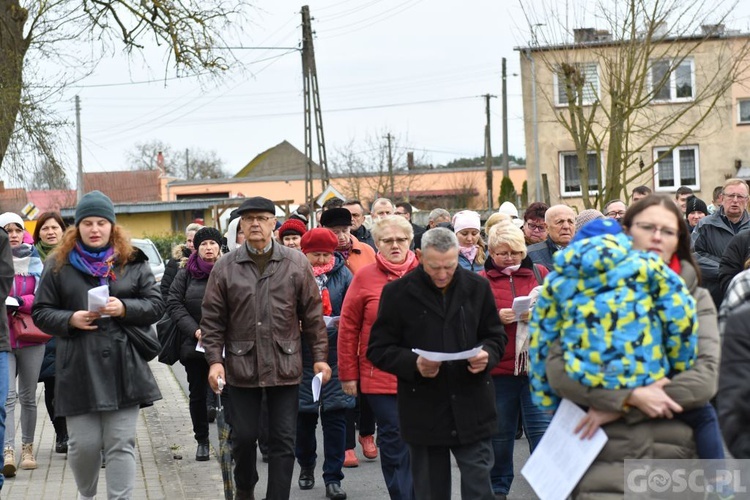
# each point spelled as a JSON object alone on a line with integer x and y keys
{"x": 616, "y": 311}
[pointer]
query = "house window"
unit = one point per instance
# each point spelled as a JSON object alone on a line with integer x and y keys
{"x": 672, "y": 80}
{"x": 570, "y": 179}
{"x": 590, "y": 88}
{"x": 678, "y": 168}
{"x": 743, "y": 111}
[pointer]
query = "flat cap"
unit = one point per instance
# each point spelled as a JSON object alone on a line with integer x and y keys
{"x": 257, "y": 204}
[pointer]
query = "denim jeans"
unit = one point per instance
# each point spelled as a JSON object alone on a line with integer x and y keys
{"x": 512, "y": 396}
{"x": 394, "y": 453}
{"x": 3, "y": 397}
{"x": 334, "y": 436}
{"x": 706, "y": 431}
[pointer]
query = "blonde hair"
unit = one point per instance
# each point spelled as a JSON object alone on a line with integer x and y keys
{"x": 505, "y": 232}
{"x": 391, "y": 220}
{"x": 495, "y": 218}
{"x": 734, "y": 182}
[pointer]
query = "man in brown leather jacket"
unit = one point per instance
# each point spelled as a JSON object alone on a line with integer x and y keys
{"x": 260, "y": 300}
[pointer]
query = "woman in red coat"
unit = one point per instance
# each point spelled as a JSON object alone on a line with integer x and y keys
{"x": 392, "y": 235}
{"x": 512, "y": 274}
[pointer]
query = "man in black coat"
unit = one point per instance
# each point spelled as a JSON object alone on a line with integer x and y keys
{"x": 444, "y": 407}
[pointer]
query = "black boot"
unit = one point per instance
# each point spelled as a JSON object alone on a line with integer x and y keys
{"x": 306, "y": 478}
{"x": 203, "y": 452}
{"x": 61, "y": 443}
{"x": 334, "y": 491}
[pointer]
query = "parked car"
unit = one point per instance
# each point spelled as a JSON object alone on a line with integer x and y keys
{"x": 154, "y": 259}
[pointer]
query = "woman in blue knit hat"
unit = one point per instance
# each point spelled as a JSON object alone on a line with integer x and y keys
{"x": 102, "y": 371}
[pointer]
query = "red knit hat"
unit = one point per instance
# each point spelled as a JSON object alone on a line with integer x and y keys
{"x": 319, "y": 239}
{"x": 292, "y": 226}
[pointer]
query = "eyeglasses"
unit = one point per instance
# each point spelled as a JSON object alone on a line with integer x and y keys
{"x": 739, "y": 197}
{"x": 666, "y": 232}
{"x": 507, "y": 255}
{"x": 391, "y": 241}
{"x": 534, "y": 227}
{"x": 256, "y": 218}
{"x": 620, "y": 213}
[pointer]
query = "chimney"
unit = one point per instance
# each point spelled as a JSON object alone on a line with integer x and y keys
{"x": 713, "y": 29}
{"x": 584, "y": 35}
{"x": 410, "y": 160}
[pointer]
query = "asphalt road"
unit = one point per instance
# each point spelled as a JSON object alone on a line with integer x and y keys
{"x": 366, "y": 481}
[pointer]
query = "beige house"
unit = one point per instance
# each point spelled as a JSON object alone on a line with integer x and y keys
{"x": 691, "y": 69}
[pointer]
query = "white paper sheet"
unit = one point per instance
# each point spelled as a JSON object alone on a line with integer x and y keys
{"x": 331, "y": 321}
{"x": 11, "y": 301}
{"x": 317, "y": 383}
{"x": 98, "y": 298}
{"x": 562, "y": 457}
{"x": 448, "y": 356}
{"x": 199, "y": 347}
{"x": 520, "y": 306}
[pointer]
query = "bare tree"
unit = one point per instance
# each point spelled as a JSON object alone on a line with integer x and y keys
{"x": 610, "y": 79}
{"x": 187, "y": 164}
{"x": 364, "y": 168}
{"x": 57, "y": 32}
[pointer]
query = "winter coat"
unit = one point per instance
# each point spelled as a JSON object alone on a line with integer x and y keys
{"x": 710, "y": 238}
{"x": 359, "y": 313}
{"x": 365, "y": 236}
{"x": 48, "y": 363}
{"x": 624, "y": 319}
{"x": 505, "y": 288}
{"x": 456, "y": 407}
{"x": 636, "y": 436}
{"x": 179, "y": 253}
{"x": 7, "y": 274}
{"x": 734, "y": 394}
{"x": 23, "y": 290}
{"x": 184, "y": 307}
{"x": 474, "y": 266}
{"x": 99, "y": 370}
{"x": 360, "y": 256}
{"x": 542, "y": 253}
{"x": 257, "y": 318}
{"x": 733, "y": 259}
{"x": 332, "y": 396}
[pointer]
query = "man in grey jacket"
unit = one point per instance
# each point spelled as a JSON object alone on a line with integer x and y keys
{"x": 713, "y": 233}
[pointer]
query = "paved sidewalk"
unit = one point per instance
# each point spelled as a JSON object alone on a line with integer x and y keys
{"x": 164, "y": 432}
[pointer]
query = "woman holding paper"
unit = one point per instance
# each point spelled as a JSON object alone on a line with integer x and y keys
{"x": 184, "y": 307}
{"x": 639, "y": 422}
{"x": 512, "y": 275}
{"x": 333, "y": 279}
{"x": 392, "y": 235}
{"x": 25, "y": 358}
{"x": 102, "y": 379}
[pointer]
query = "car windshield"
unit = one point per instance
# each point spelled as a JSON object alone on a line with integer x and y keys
{"x": 150, "y": 251}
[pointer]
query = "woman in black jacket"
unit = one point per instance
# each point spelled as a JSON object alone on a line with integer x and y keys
{"x": 184, "y": 307}
{"x": 102, "y": 379}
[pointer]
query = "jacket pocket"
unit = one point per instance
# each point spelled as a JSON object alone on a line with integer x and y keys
{"x": 290, "y": 358}
{"x": 241, "y": 360}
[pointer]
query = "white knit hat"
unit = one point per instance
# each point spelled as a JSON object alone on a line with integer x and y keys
{"x": 10, "y": 217}
{"x": 510, "y": 210}
{"x": 466, "y": 219}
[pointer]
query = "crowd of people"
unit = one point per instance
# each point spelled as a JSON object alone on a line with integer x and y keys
{"x": 620, "y": 317}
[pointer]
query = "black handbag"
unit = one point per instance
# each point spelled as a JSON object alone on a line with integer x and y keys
{"x": 144, "y": 340}
{"x": 170, "y": 340}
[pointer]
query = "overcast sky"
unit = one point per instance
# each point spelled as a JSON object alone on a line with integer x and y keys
{"x": 414, "y": 68}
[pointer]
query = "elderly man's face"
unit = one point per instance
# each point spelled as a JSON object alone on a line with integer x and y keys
{"x": 439, "y": 220}
{"x": 358, "y": 215}
{"x": 616, "y": 210}
{"x": 257, "y": 228}
{"x": 735, "y": 200}
{"x": 440, "y": 267}
{"x": 561, "y": 225}
{"x": 381, "y": 210}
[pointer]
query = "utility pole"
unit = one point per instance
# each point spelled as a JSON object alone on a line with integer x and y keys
{"x": 389, "y": 137}
{"x": 312, "y": 109}
{"x": 187, "y": 164}
{"x": 488, "y": 150}
{"x": 78, "y": 144}
{"x": 506, "y": 164}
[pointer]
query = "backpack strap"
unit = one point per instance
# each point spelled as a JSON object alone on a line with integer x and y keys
{"x": 537, "y": 274}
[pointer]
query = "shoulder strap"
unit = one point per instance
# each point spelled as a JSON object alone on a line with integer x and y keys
{"x": 537, "y": 274}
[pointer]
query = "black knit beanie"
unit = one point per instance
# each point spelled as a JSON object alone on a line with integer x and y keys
{"x": 695, "y": 204}
{"x": 206, "y": 233}
{"x": 95, "y": 204}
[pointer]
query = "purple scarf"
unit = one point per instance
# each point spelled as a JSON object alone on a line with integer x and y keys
{"x": 197, "y": 267}
{"x": 98, "y": 264}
